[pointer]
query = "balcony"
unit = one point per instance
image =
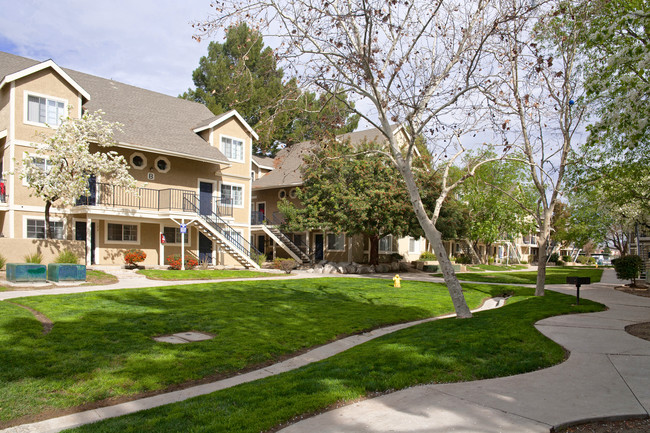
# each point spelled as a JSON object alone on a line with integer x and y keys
{"x": 171, "y": 199}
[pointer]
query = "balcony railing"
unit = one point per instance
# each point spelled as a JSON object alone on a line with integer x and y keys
{"x": 106, "y": 194}
{"x": 3, "y": 191}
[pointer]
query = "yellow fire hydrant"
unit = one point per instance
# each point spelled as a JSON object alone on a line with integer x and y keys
{"x": 396, "y": 280}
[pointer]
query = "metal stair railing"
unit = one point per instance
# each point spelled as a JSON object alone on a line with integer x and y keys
{"x": 191, "y": 204}
{"x": 277, "y": 220}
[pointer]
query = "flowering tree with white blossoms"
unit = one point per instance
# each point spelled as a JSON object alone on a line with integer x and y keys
{"x": 70, "y": 163}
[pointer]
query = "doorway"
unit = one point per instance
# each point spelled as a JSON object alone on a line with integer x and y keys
{"x": 318, "y": 250}
{"x": 260, "y": 243}
{"x": 80, "y": 235}
{"x": 205, "y": 198}
{"x": 205, "y": 248}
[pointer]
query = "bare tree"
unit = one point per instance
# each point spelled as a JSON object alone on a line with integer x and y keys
{"x": 538, "y": 103}
{"x": 416, "y": 63}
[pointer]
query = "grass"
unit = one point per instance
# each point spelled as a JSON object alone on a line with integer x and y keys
{"x": 101, "y": 347}
{"x": 494, "y": 343}
{"x": 99, "y": 278}
{"x": 554, "y": 275}
{"x": 199, "y": 274}
{"x": 479, "y": 268}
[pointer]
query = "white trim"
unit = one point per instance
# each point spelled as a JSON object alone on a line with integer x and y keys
{"x": 3, "y": 134}
{"x": 243, "y": 194}
{"x": 26, "y": 121}
{"x": 42, "y": 218}
{"x": 225, "y": 117}
{"x": 265, "y": 167}
{"x": 123, "y": 223}
{"x": 27, "y": 155}
{"x": 162, "y": 158}
{"x": 39, "y": 67}
{"x": 144, "y": 160}
{"x": 80, "y": 106}
{"x": 284, "y": 185}
{"x": 391, "y": 251}
{"x": 418, "y": 242}
{"x": 12, "y": 159}
{"x": 189, "y": 237}
{"x": 170, "y": 153}
{"x": 233, "y": 139}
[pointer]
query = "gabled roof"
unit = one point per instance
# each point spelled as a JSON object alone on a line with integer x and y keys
{"x": 151, "y": 121}
{"x": 264, "y": 162}
{"x": 290, "y": 160}
{"x": 216, "y": 120}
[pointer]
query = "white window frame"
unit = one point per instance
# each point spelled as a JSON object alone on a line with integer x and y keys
{"x": 389, "y": 239}
{"x": 144, "y": 160}
{"x": 178, "y": 229}
{"x": 223, "y": 150}
{"x": 31, "y": 156}
{"x": 52, "y": 220}
{"x": 243, "y": 192}
{"x": 327, "y": 241}
{"x": 162, "y": 158}
{"x": 122, "y": 223}
{"x": 417, "y": 242}
{"x": 26, "y": 120}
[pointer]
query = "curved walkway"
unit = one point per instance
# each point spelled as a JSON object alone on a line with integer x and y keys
{"x": 607, "y": 376}
{"x": 54, "y": 425}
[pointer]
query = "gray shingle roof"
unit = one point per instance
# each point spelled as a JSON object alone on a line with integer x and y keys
{"x": 151, "y": 121}
{"x": 264, "y": 161}
{"x": 290, "y": 160}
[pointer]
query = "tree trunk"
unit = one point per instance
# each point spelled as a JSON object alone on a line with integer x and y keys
{"x": 472, "y": 252}
{"x": 48, "y": 231}
{"x": 373, "y": 257}
{"x": 544, "y": 232}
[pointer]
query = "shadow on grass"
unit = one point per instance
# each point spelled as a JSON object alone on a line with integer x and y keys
{"x": 101, "y": 347}
{"x": 494, "y": 343}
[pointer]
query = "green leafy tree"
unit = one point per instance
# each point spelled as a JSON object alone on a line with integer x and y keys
{"x": 356, "y": 190}
{"x": 243, "y": 74}
{"x": 494, "y": 215}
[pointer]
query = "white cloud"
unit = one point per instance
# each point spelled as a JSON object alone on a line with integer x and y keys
{"x": 146, "y": 43}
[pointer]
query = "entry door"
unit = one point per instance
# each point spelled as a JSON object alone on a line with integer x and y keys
{"x": 318, "y": 253}
{"x": 205, "y": 198}
{"x": 80, "y": 235}
{"x": 260, "y": 243}
{"x": 205, "y": 248}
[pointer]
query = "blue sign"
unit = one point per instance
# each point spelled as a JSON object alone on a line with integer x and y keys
{"x": 183, "y": 228}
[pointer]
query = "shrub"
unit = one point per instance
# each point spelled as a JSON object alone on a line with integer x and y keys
{"x": 174, "y": 262}
{"x": 204, "y": 265}
{"x": 524, "y": 262}
{"x": 567, "y": 259}
{"x": 36, "y": 258}
{"x": 260, "y": 259}
{"x": 583, "y": 260}
{"x": 67, "y": 256}
{"x": 427, "y": 256}
{"x": 628, "y": 267}
{"x": 464, "y": 260}
{"x": 3, "y": 261}
{"x": 559, "y": 263}
{"x": 133, "y": 256}
{"x": 490, "y": 260}
{"x": 287, "y": 265}
{"x": 554, "y": 258}
{"x": 591, "y": 260}
{"x": 396, "y": 257}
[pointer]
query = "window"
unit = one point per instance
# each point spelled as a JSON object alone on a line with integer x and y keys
{"x": 386, "y": 244}
{"x": 36, "y": 229}
{"x": 336, "y": 242}
{"x": 162, "y": 164}
{"x": 233, "y": 148}
{"x": 122, "y": 232}
{"x": 282, "y": 194}
{"x": 232, "y": 194}
{"x": 414, "y": 245}
{"x": 138, "y": 161}
{"x": 173, "y": 235}
{"x": 293, "y": 193}
{"x": 44, "y": 110}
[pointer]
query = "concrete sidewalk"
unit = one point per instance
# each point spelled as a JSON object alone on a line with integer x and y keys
{"x": 606, "y": 376}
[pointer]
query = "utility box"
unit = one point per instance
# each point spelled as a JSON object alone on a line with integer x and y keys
{"x": 66, "y": 272}
{"x": 26, "y": 272}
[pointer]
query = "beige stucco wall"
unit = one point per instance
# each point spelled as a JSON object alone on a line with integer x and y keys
{"x": 271, "y": 198}
{"x": 43, "y": 83}
{"x": 15, "y": 250}
{"x": 4, "y": 106}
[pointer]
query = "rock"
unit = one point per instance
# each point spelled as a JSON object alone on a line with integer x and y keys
{"x": 364, "y": 269}
{"x": 323, "y": 262}
{"x": 341, "y": 270}
{"x": 310, "y": 271}
{"x": 394, "y": 266}
{"x": 351, "y": 269}
{"x": 372, "y": 269}
{"x": 329, "y": 269}
{"x": 403, "y": 267}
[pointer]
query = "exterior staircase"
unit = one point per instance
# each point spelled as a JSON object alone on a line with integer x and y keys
{"x": 271, "y": 227}
{"x": 216, "y": 229}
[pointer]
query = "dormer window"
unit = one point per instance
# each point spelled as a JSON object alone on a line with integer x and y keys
{"x": 233, "y": 148}
{"x": 43, "y": 111}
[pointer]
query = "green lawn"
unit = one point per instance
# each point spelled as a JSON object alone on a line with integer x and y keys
{"x": 494, "y": 343}
{"x": 479, "y": 268}
{"x": 554, "y": 275}
{"x": 101, "y": 346}
{"x": 199, "y": 274}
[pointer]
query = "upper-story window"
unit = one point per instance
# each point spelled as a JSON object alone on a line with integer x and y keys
{"x": 43, "y": 110}
{"x": 233, "y": 148}
{"x": 232, "y": 194}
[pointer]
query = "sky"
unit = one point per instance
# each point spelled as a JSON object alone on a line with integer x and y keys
{"x": 144, "y": 43}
